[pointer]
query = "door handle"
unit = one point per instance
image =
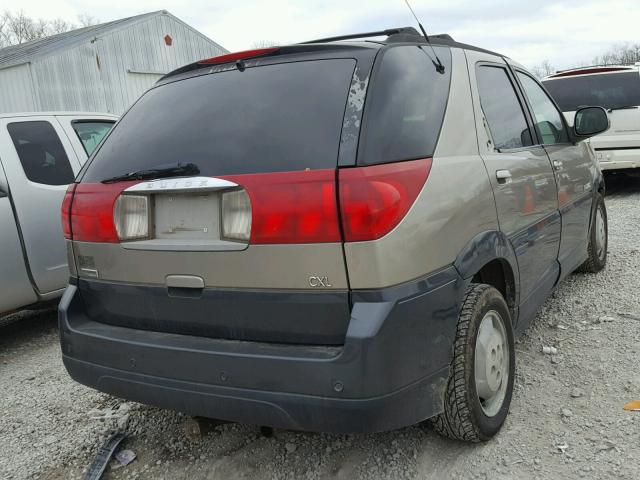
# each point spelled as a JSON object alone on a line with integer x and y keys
{"x": 503, "y": 176}
{"x": 557, "y": 165}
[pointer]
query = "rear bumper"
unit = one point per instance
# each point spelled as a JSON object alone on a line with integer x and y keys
{"x": 622, "y": 159}
{"x": 277, "y": 409}
{"x": 390, "y": 372}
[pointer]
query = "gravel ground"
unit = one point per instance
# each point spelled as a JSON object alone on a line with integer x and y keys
{"x": 566, "y": 418}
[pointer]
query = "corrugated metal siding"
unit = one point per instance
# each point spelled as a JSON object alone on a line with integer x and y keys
{"x": 133, "y": 59}
{"x": 70, "y": 80}
{"x": 111, "y": 71}
{"x": 16, "y": 90}
{"x": 28, "y": 51}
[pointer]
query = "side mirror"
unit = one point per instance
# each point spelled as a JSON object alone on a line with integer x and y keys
{"x": 590, "y": 121}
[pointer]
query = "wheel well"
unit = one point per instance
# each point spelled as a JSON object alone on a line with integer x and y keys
{"x": 499, "y": 275}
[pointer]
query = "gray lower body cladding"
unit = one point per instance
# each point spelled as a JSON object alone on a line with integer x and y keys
{"x": 390, "y": 371}
{"x": 298, "y": 317}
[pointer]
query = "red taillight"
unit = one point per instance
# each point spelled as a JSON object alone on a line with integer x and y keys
{"x": 232, "y": 57}
{"x": 373, "y": 200}
{"x": 292, "y": 207}
{"x": 285, "y": 207}
{"x": 66, "y": 211}
{"x": 91, "y": 213}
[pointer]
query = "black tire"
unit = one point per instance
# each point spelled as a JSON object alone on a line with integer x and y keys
{"x": 597, "y": 259}
{"x": 463, "y": 417}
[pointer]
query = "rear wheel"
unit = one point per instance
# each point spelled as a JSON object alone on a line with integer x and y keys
{"x": 598, "y": 240}
{"x": 482, "y": 371}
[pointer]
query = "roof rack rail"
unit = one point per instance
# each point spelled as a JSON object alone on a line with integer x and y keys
{"x": 380, "y": 33}
{"x": 602, "y": 65}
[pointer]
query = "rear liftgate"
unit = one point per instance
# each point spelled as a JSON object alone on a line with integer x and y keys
{"x": 182, "y": 231}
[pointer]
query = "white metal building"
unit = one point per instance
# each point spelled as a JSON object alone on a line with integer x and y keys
{"x": 101, "y": 68}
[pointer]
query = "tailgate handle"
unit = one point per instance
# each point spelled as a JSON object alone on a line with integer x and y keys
{"x": 185, "y": 281}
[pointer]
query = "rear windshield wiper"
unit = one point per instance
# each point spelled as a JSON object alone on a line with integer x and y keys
{"x": 177, "y": 170}
{"x": 626, "y": 107}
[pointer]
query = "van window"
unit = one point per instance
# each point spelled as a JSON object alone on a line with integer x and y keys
{"x": 91, "y": 132}
{"x": 405, "y": 109}
{"x": 41, "y": 153}
{"x": 502, "y": 109}
{"x": 549, "y": 124}
{"x": 270, "y": 118}
{"x": 608, "y": 90}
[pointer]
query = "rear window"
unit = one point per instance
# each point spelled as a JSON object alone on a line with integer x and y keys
{"x": 271, "y": 118}
{"x": 608, "y": 90}
{"x": 91, "y": 132}
{"x": 405, "y": 110}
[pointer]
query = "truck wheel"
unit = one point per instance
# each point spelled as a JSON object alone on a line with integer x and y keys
{"x": 480, "y": 385}
{"x": 598, "y": 240}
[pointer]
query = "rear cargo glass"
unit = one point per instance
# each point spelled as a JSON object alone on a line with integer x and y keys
{"x": 406, "y": 104}
{"x": 609, "y": 90}
{"x": 271, "y": 118}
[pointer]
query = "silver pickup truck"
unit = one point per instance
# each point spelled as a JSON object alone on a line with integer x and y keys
{"x": 40, "y": 154}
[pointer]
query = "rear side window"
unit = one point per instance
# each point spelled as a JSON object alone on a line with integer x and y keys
{"x": 271, "y": 118}
{"x": 406, "y": 105}
{"x": 502, "y": 109}
{"x": 91, "y": 132}
{"x": 548, "y": 120}
{"x": 41, "y": 153}
{"x": 608, "y": 90}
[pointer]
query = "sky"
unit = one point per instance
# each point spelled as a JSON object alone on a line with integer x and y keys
{"x": 568, "y": 33}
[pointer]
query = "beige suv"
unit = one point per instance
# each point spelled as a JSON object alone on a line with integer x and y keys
{"x": 339, "y": 236}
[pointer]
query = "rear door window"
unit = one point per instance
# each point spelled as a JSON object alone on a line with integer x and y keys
{"x": 502, "y": 109}
{"x": 549, "y": 124}
{"x": 608, "y": 90}
{"x": 91, "y": 132}
{"x": 405, "y": 108}
{"x": 270, "y": 118}
{"x": 41, "y": 153}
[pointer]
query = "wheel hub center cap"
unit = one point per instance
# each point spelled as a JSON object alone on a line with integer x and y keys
{"x": 494, "y": 366}
{"x": 491, "y": 362}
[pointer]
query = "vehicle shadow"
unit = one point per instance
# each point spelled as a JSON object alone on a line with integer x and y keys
{"x": 620, "y": 184}
{"x": 28, "y": 325}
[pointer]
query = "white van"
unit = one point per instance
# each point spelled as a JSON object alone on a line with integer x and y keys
{"x": 616, "y": 88}
{"x": 40, "y": 154}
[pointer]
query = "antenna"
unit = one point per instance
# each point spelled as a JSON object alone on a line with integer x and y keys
{"x": 436, "y": 63}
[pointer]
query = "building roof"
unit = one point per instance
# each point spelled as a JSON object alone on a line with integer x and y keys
{"x": 25, "y": 52}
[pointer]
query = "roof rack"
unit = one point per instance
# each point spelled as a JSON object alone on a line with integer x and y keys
{"x": 588, "y": 67}
{"x": 386, "y": 33}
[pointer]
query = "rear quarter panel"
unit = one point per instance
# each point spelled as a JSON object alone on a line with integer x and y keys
{"x": 455, "y": 204}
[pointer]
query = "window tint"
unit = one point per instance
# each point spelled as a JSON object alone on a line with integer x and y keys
{"x": 609, "y": 90}
{"x": 91, "y": 133}
{"x": 405, "y": 107}
{"x": 41, "y": 153}
{"x": 502, "y": 109}
{"x": 271, "y": 118}
{"x": 549, "y": 122}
